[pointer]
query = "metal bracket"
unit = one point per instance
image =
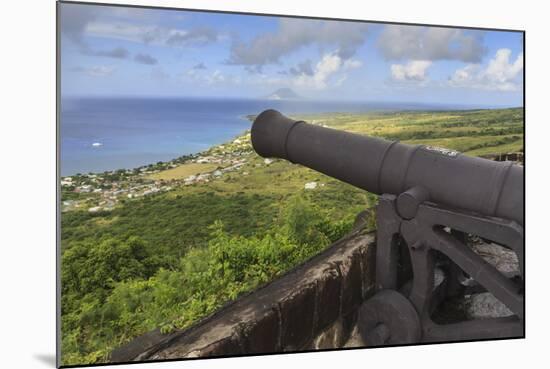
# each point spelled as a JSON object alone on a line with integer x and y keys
{"x": 413, "y": 235}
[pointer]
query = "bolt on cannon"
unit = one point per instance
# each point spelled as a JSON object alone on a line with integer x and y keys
{"x": 431, "y": 200}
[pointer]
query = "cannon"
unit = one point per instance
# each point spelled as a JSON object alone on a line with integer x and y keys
{"x": 432, "y": 203}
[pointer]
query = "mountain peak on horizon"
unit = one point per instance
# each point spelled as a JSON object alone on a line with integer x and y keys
{"x": 284, "y": 93}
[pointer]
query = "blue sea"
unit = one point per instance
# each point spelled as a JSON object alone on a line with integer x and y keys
{"x": 102, "y": 134}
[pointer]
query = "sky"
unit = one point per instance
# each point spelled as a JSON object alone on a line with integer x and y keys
{"x": 123, "y": 51}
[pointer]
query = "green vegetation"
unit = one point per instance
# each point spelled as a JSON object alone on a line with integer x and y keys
{"x": 118, "y": 288}
{"x": 495, "y": 131}
{"x": 172, "y": 257}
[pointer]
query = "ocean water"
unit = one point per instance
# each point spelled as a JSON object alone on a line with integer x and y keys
{"x": 101, "y": 134}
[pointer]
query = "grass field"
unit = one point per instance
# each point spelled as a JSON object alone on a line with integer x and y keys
{"x": 474, "y": 132}
{"x": 183, "y": 171}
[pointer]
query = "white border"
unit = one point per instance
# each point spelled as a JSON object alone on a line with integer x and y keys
{"x": 27, "y": 186}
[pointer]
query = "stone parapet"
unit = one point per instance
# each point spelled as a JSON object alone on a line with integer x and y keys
{"x": 313, "y": 306}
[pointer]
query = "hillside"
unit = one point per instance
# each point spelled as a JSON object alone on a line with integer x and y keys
{"x": 166, "y": 244}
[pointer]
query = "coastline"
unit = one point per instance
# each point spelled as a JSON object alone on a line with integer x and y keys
{"x": 152, "y": 162}
{"x": 103, "y": 191}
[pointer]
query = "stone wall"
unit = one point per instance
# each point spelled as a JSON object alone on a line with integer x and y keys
{"x": 314, "y": 306}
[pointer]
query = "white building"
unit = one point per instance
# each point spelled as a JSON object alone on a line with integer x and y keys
{"x": 310, "y": 186}
{"x": 86, "y": 188}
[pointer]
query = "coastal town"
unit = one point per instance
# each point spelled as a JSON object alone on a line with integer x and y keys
{"x": 97, "y": 192}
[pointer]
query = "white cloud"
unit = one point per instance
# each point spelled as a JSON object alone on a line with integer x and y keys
{"x": 101, "y": 71}
{"x": 330, "y": 71}
{"x": 145, "y": 59}
{"x": 352, "y": 64}
{"x": 500, "y": 74}
{"x": 74, "y": 18}
{"x": 304, "y": 67}
{"x": 150, "y": 34}
{"x": 95, "y": 71}
{"x": 293, "y": 34}
{"x": 403, "y": 42}
{"x": 330, "y": 65}
{"x": 501, "y": 70}
{"x": 464, "y": 76}
{"x": 118, "y": 31}
{"x": 415, "y": 70}
{"x": 77, "y": 21}
{"x": 215, "y": 78}
{"x": 327, "y": 66}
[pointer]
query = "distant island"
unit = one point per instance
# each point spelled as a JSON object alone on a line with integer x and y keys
{"x": 283, "y": 94}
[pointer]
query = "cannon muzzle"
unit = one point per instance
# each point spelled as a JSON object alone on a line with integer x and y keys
{"x": 442, "y": 176}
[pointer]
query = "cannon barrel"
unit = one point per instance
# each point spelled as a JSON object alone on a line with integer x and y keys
{"x": 380, "y": 166}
